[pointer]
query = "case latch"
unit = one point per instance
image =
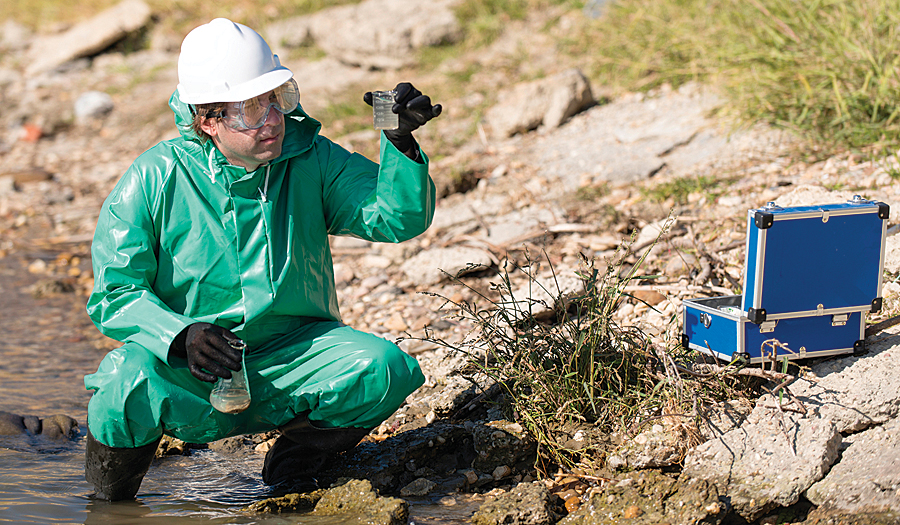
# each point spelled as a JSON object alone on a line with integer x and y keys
{"x": 825, "y": 215}
{"x": 767, "y": 326}
{"x": 839, "y": 319}
{"x": 705, "y": 319}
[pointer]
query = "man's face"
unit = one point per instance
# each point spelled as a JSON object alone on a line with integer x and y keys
{"x": 248, "y": 148}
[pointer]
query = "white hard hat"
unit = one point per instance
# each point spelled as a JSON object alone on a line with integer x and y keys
{"x": 224, "y": 61}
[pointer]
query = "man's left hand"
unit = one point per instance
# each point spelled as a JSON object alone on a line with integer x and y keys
{"x": 413, "y": 109}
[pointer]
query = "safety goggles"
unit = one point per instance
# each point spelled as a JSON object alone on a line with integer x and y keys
{"x": 252, "y": 113}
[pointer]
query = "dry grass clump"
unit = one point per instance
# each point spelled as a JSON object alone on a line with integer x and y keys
{"x": 564, "y": 364}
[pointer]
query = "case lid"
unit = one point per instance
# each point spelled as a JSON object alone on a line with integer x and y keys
{"x": 814, "y": 260}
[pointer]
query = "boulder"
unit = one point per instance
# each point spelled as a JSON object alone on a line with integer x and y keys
{"x": 432, "y": 266}
{"x": 544, "y": 296}
{"x": 93, "y": 105}
{"x": 525, "y": 504}
{"x": 549, "y": 102}
{"x": 374, "y": 34}
{"x": 89, "y": 37}
{"x": 356, "y": 501}
{"x": 762, "y": 465}
{"x": 655, "y": 447}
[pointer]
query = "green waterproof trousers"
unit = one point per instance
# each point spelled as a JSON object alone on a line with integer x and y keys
{"x": 343, "y": 377}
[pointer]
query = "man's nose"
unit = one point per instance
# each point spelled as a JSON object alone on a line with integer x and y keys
{"x": 273, "y": 116}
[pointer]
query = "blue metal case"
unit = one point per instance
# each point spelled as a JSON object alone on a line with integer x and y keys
{"x": 811, "y": 273}
{"x": 814, "y": 260}
{"x": 715, "y": 326}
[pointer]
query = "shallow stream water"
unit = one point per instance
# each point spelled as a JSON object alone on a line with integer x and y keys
{"x": 46, "y": 349}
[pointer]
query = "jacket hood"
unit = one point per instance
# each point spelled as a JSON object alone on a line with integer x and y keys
{"x": 300, "y": 130}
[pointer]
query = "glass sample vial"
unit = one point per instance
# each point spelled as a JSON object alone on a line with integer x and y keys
{"x": 384, "y": 118}
{"x": 231, "y": 396}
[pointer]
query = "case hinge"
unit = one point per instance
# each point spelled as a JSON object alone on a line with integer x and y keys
{"x": 767, "y": 326}
{"x": 839, "y": 319}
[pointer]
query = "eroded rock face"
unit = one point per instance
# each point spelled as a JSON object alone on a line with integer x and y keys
{"x": 762, "y": 465}
{"x": 352, "y": 501}
{"x": 55, "y": 427}
{"x": 652, "y": 498}
{"x": 502, "y": 443}
{"x": 830, "y": 517}
{"x": 445, "y": 453}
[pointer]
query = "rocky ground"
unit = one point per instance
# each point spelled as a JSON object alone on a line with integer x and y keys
{"x": 546, "y": 169}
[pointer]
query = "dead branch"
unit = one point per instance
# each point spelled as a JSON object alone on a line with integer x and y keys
{"x": 716, "y": 370}
{"x": 882, "y": 325}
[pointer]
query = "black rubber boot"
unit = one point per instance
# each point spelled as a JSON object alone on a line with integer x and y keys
{"x": 302, "y": 450}
{"x": 116, "y": 473}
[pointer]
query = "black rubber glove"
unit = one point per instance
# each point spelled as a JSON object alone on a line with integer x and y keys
{"x": 206, "y": 348}
{"x": 414, "y": 110}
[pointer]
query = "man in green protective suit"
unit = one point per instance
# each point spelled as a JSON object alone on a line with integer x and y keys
{"x": 219, "y": 238}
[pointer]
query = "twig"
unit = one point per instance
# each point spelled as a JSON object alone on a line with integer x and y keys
{"x": 782, "y": 424}
{"x": 718, "y": 370}
{"x": 882, "y": 325}
{"x": 729, "y": 247}
{"x": 721, "y": 290}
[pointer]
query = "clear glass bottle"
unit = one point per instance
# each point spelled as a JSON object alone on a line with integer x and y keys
{"x": 231, "y": 396}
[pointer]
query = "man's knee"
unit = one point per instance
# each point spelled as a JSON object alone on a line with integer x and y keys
{"x": 386, "y": 359}
{"x": 120, "y": 412}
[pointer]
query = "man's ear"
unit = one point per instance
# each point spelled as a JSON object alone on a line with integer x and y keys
{"x": 208, "y": 125}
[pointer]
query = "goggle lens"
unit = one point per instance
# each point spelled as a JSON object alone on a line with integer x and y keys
{"x": 252, "y": 113}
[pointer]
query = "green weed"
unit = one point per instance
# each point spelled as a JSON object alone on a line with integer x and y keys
{"x": 679, "y": 189}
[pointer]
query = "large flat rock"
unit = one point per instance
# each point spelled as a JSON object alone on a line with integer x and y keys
{"x": 762, "y": 465}
{"x": 632, "y": 138}
{"x": 855, "y": 392}
{"x": 867, "y": 479}
{"x": 89, "y": 37}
